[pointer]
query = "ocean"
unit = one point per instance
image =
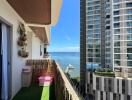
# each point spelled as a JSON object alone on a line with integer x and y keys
{"x": 66, "y": 58}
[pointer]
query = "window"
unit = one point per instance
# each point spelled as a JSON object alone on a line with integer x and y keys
{"x": 107, "y": 49}
{"x": 129, "y": 30}
{"x": 129, "y": 50}
{"x": 97, "y": 17}
{"x": 90, "y": 17}
{"x": 90, "y": 59}
{"x": 129, "y": 4}
{"x": 116, "y": 31}
{"x": 117, "y": 56}
{"x": 117, "y": 50}
{"x": 97, "y": 26}
{"x": 107, "y": 16}
{"x": 90, "y": 41}
{"x": 97, "y": 2}
{"x": 97, "y": 50}
{"x": 90, "y": 3}
{"x": 107, "y": 43}
{"x": 108, "y": 22}
{"x": 129, "y": 43}
{"x": 116, "y": 19}
{"x": 90, "y": 55}
{"x": 90, "y": 22}
{"x": 97, "y": 31}
{"x": 107, "y": 10}
{"x": 97, "y": 7}
{"x": 90, "y": 32}
{"x": 129, "y": 56}
{"x": 116, "y": 6}
{"x": 90, "y": 36}
{"x": 90, "y": 12}
{"x": 116, "y": 12}
{"x": 97, "y": 55}
{"x": 117, "y": 37}
{"x": 96, "y": 35}
{"x": 97, "y": 21}
{"x": 90, "y": 45}
{"x": 117, "y": 63}
{"x": 129, "y": 24}
{"x": 90, "y": 26}
{"x": 129, "y": 17}
{"x": 97, "y": 45}
{"x": 90, "y": 8}
{"x": 116, "y": 25}
{"x": 117, "y": 44}
{"x": 97, "y": 11}
{"x": 90, "y": 50}
{"x": 129, "y": 63}
{"x": 128, "y": 11}
{"x": 107, "y": 55}
{"x": 107, "y": 27}
{"x": 129, "y": 37}
{"x": 115, "y": 1}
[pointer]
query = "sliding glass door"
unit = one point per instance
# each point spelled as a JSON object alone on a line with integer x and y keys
{"x": 5, "y": 62}
{"x": 0, "y": 61}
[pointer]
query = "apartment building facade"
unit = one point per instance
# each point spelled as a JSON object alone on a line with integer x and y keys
{"x": 108, "y": 29}
{"x": 108, "y": 88}
{"x": 108, "y": 34}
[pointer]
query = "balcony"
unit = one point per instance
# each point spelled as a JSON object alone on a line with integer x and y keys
{"x": 60, "y": 89}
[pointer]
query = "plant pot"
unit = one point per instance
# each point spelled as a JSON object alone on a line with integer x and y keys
{"x": 23, "y": 53}
{"x": 20, "y": 43}
{"x": 23, "y": 37}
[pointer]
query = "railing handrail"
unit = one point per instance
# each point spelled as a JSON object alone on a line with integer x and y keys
{"x": 67, "y": 83}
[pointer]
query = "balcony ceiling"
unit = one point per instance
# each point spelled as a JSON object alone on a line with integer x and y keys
{"x": 40, "y": 33}
{"x": 33, "y": 11}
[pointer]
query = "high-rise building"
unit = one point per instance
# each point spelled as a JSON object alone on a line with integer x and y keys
{"x": 82, "y": 41}
{"x": 106, "y": 34}
{"x": 106, "y": 39}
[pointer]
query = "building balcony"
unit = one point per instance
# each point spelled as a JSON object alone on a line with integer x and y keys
{"x": 59, "y": 89}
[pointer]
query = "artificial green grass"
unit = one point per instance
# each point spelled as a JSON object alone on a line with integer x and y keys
{"x": 45, "y": 93}
{"x": 36, "y": 92}
{"x": 33, "y": 92}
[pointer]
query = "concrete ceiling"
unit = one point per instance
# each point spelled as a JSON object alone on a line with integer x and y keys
{"x": 33, "y": 11}
{"x": 40, "y": 33}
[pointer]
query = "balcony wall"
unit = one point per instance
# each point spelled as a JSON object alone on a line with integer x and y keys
{"x": 10, "y": 17}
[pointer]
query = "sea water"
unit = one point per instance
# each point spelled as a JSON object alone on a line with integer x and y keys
{"x": 66, "y": 58}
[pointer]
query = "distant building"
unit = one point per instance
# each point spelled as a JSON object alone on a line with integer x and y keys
{"x": 108, "y": 88}
{"x": 106, "y": 38}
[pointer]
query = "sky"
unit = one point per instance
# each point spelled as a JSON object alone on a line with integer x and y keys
{"x": 65, "y": 35}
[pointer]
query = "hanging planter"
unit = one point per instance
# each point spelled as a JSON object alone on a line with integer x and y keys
{"x": 22, "y": 41}
{"x": 21, "y": 29}
{"x": 23, "y": 53}
{"x": 23, "y": 37}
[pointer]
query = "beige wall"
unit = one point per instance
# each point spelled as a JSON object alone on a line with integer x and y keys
{"x": 8, "y": 14}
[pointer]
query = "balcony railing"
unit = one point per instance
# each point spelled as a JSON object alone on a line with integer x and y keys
{"x": 63, "y": 88}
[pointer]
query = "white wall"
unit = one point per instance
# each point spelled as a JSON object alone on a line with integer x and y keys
{"x": 36, "y": 48}
{"x": 7, "y": 13}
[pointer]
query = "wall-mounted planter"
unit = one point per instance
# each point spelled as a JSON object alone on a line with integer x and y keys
{"x": 23, "y": 53}
{"x": 22, "y": 41}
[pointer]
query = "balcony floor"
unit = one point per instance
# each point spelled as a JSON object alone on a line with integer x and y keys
{"x": 34, "y": 92}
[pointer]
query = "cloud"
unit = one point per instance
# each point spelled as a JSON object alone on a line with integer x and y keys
{"x": 66, "y": 49}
